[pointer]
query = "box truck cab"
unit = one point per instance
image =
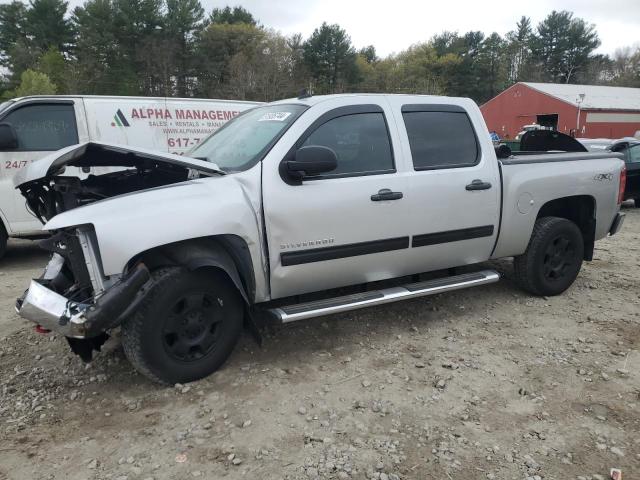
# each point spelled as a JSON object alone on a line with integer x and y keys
{"x": 32, "y": 127}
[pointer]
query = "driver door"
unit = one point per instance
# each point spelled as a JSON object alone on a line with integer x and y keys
{"x": 348, "y": 226}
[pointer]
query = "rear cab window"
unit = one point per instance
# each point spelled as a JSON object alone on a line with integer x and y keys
{"x": 440, "y": 136}
{"x": 43, "y": 126}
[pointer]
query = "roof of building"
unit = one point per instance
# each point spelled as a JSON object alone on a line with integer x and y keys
{"x": 595, "y": 96}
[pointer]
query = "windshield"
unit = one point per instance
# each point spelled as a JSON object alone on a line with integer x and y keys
{"x": 243, "y": 141}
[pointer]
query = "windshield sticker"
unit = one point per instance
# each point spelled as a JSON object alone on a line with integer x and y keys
{"x": 274, "y": 117}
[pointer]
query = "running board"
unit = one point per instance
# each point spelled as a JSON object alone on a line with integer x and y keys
{"x": 318, "y": 308}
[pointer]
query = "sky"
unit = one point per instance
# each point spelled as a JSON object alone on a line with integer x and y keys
{"x": 392, "y": 26}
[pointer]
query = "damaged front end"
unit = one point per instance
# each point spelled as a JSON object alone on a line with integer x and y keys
{"x": 74, "y": 299}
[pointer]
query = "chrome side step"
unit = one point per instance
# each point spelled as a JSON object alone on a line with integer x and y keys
{"x": 318, "y": 308}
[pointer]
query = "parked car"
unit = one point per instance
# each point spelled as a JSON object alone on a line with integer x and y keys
{"x": 530, "y": 128}
{"x": 600, "y": 144}
{"x": 596, "y": 144}
{"x": 630, "y": 148}
{"x": 33, "y": 127}
{"x": 296, "y": 197}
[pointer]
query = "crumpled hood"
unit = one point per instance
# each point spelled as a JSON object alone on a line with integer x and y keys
{"x": 137, "y": 205}
{"x": 101, "y": 154}
{"x": 128, "y": 224}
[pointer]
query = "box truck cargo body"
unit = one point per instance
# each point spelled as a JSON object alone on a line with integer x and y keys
{"x": 33, "y": 127}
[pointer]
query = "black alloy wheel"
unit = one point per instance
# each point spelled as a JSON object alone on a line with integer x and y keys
{"x": 559, "y": 258}
{"x": 553, "y": 257}
{"x": 190, "y": 331}
{"x": 186, "y": 327}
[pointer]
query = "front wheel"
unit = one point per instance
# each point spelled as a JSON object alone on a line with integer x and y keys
{"x": 553, "y": 257}
{"x": 186, "y": 327}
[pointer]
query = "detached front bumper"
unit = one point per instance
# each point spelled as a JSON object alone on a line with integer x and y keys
{"x": 55, "y": 312}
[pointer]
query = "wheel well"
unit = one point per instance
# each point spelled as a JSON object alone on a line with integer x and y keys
{"x": 581, "y": 210}
{"x": 228, "y": 253}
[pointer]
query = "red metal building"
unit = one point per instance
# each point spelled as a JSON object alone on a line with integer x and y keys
{"x": 593, "y": 111}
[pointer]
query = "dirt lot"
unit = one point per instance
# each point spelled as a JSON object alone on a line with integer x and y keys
{"x": 485, "y": 383}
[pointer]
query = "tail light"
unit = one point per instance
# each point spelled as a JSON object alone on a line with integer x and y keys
{"x": 623, "y": 183}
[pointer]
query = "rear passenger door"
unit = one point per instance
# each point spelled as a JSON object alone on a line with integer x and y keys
{"x": 454, "y": 189}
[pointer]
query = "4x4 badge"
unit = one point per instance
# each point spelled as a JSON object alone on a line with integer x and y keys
{"x": 601, "y": 177}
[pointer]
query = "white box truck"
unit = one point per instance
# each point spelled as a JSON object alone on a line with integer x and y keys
{"x": 32, "y": 127}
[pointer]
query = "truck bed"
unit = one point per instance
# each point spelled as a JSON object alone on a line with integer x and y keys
{"x": 524, "y": 158}
{"x": 532, "y": 180}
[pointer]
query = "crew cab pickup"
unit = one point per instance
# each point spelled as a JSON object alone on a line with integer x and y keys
{"x": 290, "y": 202}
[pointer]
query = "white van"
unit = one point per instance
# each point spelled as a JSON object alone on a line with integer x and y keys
{"x": 32, "y": 127}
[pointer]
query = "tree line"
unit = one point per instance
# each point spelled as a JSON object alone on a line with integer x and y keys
{"x": 175, "y": 48}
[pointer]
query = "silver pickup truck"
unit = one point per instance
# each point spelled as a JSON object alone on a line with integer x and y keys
{"x": 282, "y": 211}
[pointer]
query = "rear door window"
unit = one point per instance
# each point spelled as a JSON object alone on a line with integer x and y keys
{"x": 43, "y": 127}
{"x": 634, "y": 154}
{"x": 441, "y": 139}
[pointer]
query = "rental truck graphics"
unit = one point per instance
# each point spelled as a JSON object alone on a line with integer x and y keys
{"x": 33, "y": 127}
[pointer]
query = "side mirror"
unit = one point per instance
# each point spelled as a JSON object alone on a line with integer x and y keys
{"x": 8, "y": 137}
{"x": 312, "y": 160}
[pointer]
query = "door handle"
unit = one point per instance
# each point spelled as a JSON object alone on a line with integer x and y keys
{"x": 478, "y": 184}
{"x": 386, "y": 194}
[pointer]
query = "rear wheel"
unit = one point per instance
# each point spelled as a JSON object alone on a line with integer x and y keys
{"x": 186, "y": 327}
{"x": 637, "y": 202}
{"x": 553, "y": 257}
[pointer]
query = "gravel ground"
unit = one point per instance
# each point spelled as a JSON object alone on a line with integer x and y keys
{"x": 484, "y": 383}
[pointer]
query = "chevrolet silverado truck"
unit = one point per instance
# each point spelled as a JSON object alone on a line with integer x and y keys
{"x": 297, "y": 209}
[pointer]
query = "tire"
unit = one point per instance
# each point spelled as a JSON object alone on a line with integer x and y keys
{"x": 636, "y": 201}
{"x": 3, "y": 240}
{"x": 186, "y": 327}
{"x": 553, "y": 257}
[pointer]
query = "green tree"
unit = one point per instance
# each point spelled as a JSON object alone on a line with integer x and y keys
{"x": 465, "y": 78}
{"x": 138, "y": 24}
{"x": 518, "y": 50}
{"x": 369, "y": 54}
{"x": 218, "y": 44}
{"x": 183, "y": 22}
{"x": 299, "y": 71}
{"x": 13, "y": 17}
{"x": 263, "y": 73}
{"x": 47, "y": 26}
{"x": 422, "y": 69}
{"x": 53, "y": 64}
{"x": 563, "y": 46}
{"x": 100, "y": 60}
{"x": 625, "y": 67}
{"x": 230, "y": 16}
{"x": 330, "y": 58}
{"x": 33, "y": 83}
{"x": 492, "y": 66}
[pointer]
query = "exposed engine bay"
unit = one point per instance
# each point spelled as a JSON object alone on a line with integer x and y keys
{"x": 73, "y": 296}
{"x": 124, "y": 172}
